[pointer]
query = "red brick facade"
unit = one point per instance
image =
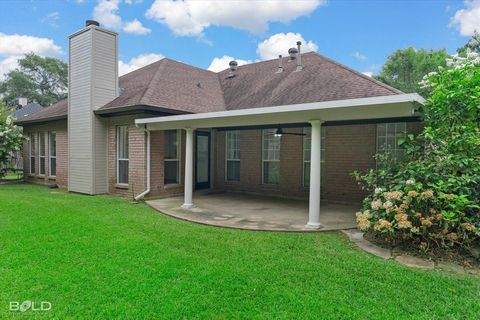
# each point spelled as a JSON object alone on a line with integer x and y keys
{"x": 347, "y": 148}
{"x": 60, "y": 127}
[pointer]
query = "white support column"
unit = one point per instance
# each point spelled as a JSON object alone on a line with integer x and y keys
{"x": 188, "y": 203}
{"x": 315, "y": 158}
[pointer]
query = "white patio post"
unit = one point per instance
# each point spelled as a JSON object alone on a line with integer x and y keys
{"x": 187, "y": 203}
{"x": 315, "y": 158}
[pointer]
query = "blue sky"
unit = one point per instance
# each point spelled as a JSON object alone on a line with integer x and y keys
{"x": 359, "y": 34}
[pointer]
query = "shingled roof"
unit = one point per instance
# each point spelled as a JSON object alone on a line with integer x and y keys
{"x": 168, "y": 85}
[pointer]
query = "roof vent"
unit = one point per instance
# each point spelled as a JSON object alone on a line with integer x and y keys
{"x": 233, "y": 67}
{"x": 280, "y": 64}
{"x": 292, "y": 52}
{"x": 92, "y": 23}
{"x": 299, "y": 55}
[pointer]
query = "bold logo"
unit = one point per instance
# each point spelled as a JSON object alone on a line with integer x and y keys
{"x": 30, "y": 305}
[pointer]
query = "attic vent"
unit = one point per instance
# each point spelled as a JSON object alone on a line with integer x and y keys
{"x": 292, "y": 52}
{"x": 233, "y": 67}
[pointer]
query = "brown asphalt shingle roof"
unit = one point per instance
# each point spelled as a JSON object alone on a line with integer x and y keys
{"x": 168, "y": 84}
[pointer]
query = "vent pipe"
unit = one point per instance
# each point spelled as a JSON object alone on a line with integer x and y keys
{"x": 299, "y": 57}
{"x": 292, "y": 52}
{"x": 280, "y": 64}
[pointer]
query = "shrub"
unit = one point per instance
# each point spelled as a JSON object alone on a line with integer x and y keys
{"x": 10, "y": 137}
{"x": 432, "y": 198}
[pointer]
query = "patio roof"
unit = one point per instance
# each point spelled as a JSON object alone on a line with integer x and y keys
{"x": 392, "y": 106}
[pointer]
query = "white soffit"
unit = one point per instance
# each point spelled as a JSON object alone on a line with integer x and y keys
{"x": 394, "y": 106}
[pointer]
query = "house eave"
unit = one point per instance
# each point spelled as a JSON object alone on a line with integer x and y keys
{"x": 41, "y": 120}
{"x": 392, "y": 106}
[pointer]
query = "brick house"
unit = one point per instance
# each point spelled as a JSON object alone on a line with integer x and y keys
{"x": 296, "y": 126}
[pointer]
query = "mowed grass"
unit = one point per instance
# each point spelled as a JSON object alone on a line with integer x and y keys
{"x": 101, "y": 257}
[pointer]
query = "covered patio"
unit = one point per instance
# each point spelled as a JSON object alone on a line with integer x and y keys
{"x": 255, "y": 212}
{"x": 273, "y": 213}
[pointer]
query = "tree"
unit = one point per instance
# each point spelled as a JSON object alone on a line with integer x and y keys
{"x": 405, "y": 68}
{"x": 10, "y": 136}
{"x": 39, "y": 79}
{"x": 473, "y": 45}
{"x": 431, "y": 199}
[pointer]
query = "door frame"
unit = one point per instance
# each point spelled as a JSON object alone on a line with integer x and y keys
{"x": 207, "y": 184}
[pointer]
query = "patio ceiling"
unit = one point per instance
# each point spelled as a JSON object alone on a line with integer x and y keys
{"x": 394, "y": 106}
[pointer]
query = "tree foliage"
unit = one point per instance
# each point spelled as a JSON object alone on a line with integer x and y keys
{"x": 10, "y": 136}
{"x": 442, "y": 164}
{"x": 472, "y": 45}
{"x": 405, "y": 68}
{"x": 40, "y": 79}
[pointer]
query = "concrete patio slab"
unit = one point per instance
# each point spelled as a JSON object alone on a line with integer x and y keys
{"x": 252, "y": 212}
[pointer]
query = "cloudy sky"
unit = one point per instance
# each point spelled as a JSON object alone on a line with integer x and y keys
{"x": 209, "y": 33}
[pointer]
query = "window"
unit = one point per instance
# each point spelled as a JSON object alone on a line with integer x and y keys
{"x": 232, "y": 156}
{"x": 271, "y": 156}
{"x": 172, "y": 157}
{"x": 41, "y": 152}
{"x": 52, "y": 153}
{"x": 307, "y": 143}
{"x": 122, "y": 154}
{"x": 388, "y": 139}
{"x": 31, "y": 152}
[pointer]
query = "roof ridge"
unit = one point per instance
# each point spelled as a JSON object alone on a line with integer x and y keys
{"x": 155, "y": 76}
{"x": 371, "y": 79}
{"x": 141, "y": 68}
{"x": 189, "y": 65}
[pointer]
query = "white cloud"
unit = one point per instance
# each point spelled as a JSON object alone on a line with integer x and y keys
{"x": 106, "y": 12}
{"x": 133, "y": 1}
{"x": 8, "y": 64}
{"x": 52, "y": 18}
{"x": 15, "y": 44}
{"x": 467, "y": 20}
{"x": 191, "y": 18}
{"x": 359, "y": 56}
{"x": 368, "y": 73}
{"x": 280, "y": 43}
{"x": 135, "y": 27}
{"x": 219, "y": 64}
{"x": 137, "y": 62}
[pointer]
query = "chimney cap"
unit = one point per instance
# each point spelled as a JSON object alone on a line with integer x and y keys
{"x": 299, "y": 43}
{"x": 92, "y": 23}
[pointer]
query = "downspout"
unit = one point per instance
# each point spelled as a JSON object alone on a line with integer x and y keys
{"x": 147, "y": 191}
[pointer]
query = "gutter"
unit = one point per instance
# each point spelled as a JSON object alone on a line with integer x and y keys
{"x": 147, "y": 191}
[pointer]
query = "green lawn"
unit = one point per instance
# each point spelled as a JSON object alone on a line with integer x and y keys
{"x": 12, "y": 176}
{"x": 101, "y": 258}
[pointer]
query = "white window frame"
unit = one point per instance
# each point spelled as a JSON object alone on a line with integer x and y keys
{"x": 178, "y": 159}
{"x": 50, "y": 156}
{"x": 118, "y": 159}
{"x": 228, "y": 144}
{"x": 41, "y": 136}
{"x": 264, "y": 133}
{"x": 31, "y": 154}
{"x": 400, "y": 131}
{"x": 308, "y": 136}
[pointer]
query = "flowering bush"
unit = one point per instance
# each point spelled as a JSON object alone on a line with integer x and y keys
{"x": 10, "y": 137}
{"x": 419, "y": 216}
{"x": 432, "y": 198}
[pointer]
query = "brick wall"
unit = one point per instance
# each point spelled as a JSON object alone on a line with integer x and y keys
{"x": 347, "y": 148}
{"x": 61, "y": 178}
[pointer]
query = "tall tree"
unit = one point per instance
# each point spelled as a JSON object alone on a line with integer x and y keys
{"x": 40, "y": 79}
{"x": 473, "y": 44}
{"x": 405, "y": 68}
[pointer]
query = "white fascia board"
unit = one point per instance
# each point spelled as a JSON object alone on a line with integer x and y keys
{"x": 403, "y": 105}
